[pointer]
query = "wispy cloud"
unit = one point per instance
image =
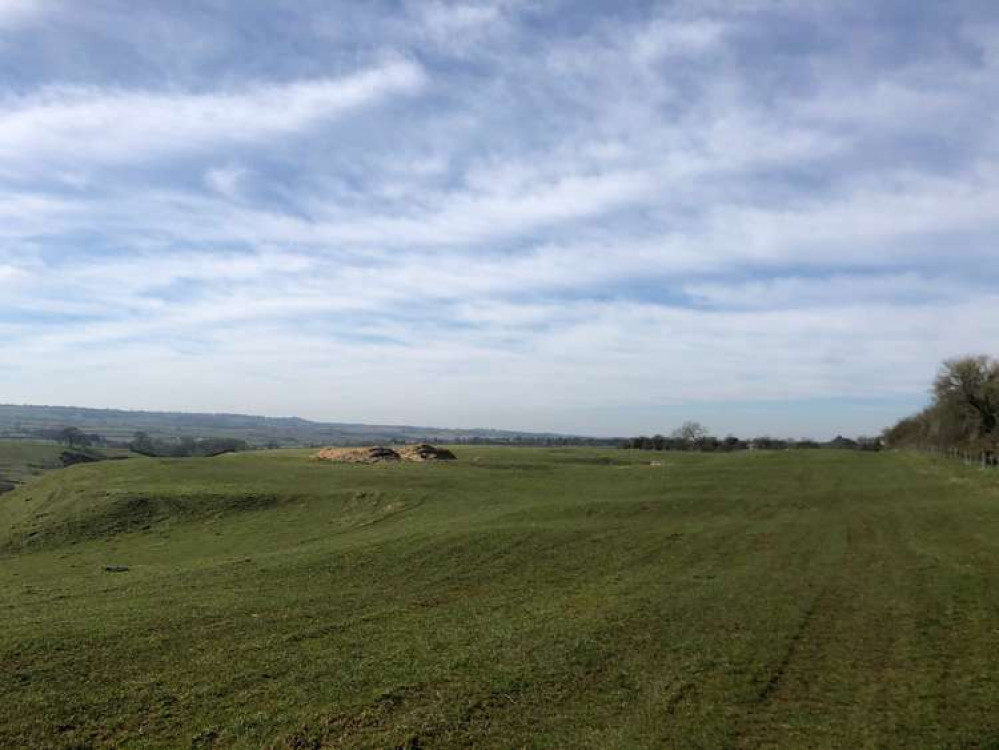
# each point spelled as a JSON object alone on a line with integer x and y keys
{"x": 226, "y": 180}
{"x": 666, "y": 38}
{"x": 17, "y": 13}
{"x": 104, "y": 124}
{"x": 538, "y": 215}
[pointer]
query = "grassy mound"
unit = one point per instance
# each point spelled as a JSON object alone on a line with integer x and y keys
{"x": 555, "y": 598}
{"x": 100, "y": 501}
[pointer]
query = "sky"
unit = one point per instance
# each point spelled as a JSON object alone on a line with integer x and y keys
{"x": 599, "y": 218}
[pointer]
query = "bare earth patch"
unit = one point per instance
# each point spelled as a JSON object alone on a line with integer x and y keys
{"x": 425, "y": 452}
{"x": 380, "y": 454}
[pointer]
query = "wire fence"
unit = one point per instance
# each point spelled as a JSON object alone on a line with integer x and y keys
{"x": 982, "y": 458}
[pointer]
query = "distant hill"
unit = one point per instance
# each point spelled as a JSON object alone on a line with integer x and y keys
{"x": 115, "y": 425}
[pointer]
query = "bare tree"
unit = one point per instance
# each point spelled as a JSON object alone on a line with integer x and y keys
{"x": 691, "y": 432}
{"x": 964, "y": 412}
{"x": 969, "y": 387}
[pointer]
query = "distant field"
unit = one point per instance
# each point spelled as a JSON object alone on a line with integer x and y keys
{"x": 516, "y": 598}
{"x": 24, "y": 460}
{"x": 21, "y": 460}
{"x": 118, "y": 426}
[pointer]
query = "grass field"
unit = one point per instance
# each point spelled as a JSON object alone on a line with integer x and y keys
{"x": 517, "y": 598}
{"x": 22, "y": 460}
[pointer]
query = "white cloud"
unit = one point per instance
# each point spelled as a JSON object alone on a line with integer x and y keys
{"x": 25, "y": 216}
{"x": 226, "y": 181}
{"x": 668, "y": 38}
{"x": 828, "y": 291}
{"x": 461, "y": 29}
{"x": 877, "y": 224}
{"x": 99, "y": 124}
{"x": 17, "y": 13}
{"x": 474, "y": 216}
{"x": 293, "y": 331}
{"x": 543, "y": 215}
{"x": 443, "y": 20}
{"x": 9, "y": 274}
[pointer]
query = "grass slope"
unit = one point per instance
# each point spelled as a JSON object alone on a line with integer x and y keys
{"x": 23, "y": 460}
{"x": 517, "y": 598}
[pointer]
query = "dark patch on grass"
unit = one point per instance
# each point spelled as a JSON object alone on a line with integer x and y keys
{"x": 677, "y": 699}
{"x": 596, "y": 461}
{"x": 526, "y": 467}
{"x": 773, "y": 682}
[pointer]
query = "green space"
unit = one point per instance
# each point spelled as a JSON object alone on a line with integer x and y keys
{"x": 518, "y": 597}
{"x": 22, "y": 460}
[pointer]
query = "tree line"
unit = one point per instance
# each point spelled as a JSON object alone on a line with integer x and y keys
{"x": 186, "y": 447}
{"x": 141, "y": 442}
{"x": 963, "y": 413}
{"x": 71, "y": 437}
{"x": 693, "y": 436}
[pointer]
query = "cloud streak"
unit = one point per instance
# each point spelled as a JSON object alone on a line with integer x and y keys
{"x": 536, "y": 215}
{"x": 17, "y": 13}
{"x": 102, "y": 124}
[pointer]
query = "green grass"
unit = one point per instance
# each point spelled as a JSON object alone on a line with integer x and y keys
{"x": 23, "y": 460}
{"x": 516, "y": 598}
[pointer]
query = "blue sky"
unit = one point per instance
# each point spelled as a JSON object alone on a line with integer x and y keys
{"x": 605, "y": 218}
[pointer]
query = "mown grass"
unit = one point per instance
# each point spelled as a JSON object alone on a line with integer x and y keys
{"x": 516, "y": 598}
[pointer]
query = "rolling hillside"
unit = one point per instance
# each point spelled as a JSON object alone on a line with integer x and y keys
{"x": 514, "y": 598}
{"x": 22, "y": 461}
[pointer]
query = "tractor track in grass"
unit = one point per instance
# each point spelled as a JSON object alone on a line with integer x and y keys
{"x": 791, "y": 654}
{"x": 814, "y": 626}
{"x": 835, "y": 632}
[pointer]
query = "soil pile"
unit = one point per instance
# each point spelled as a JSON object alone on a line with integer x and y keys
{"x": 425, "y": 452}
{"x": 374, "y": 455}
{"x": 380, "y": 454}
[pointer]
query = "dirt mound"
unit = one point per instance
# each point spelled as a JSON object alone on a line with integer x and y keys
{"x": 374, "y": 455}
{"x": 379, "y": 454}
{"x": 425, "y": 452}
